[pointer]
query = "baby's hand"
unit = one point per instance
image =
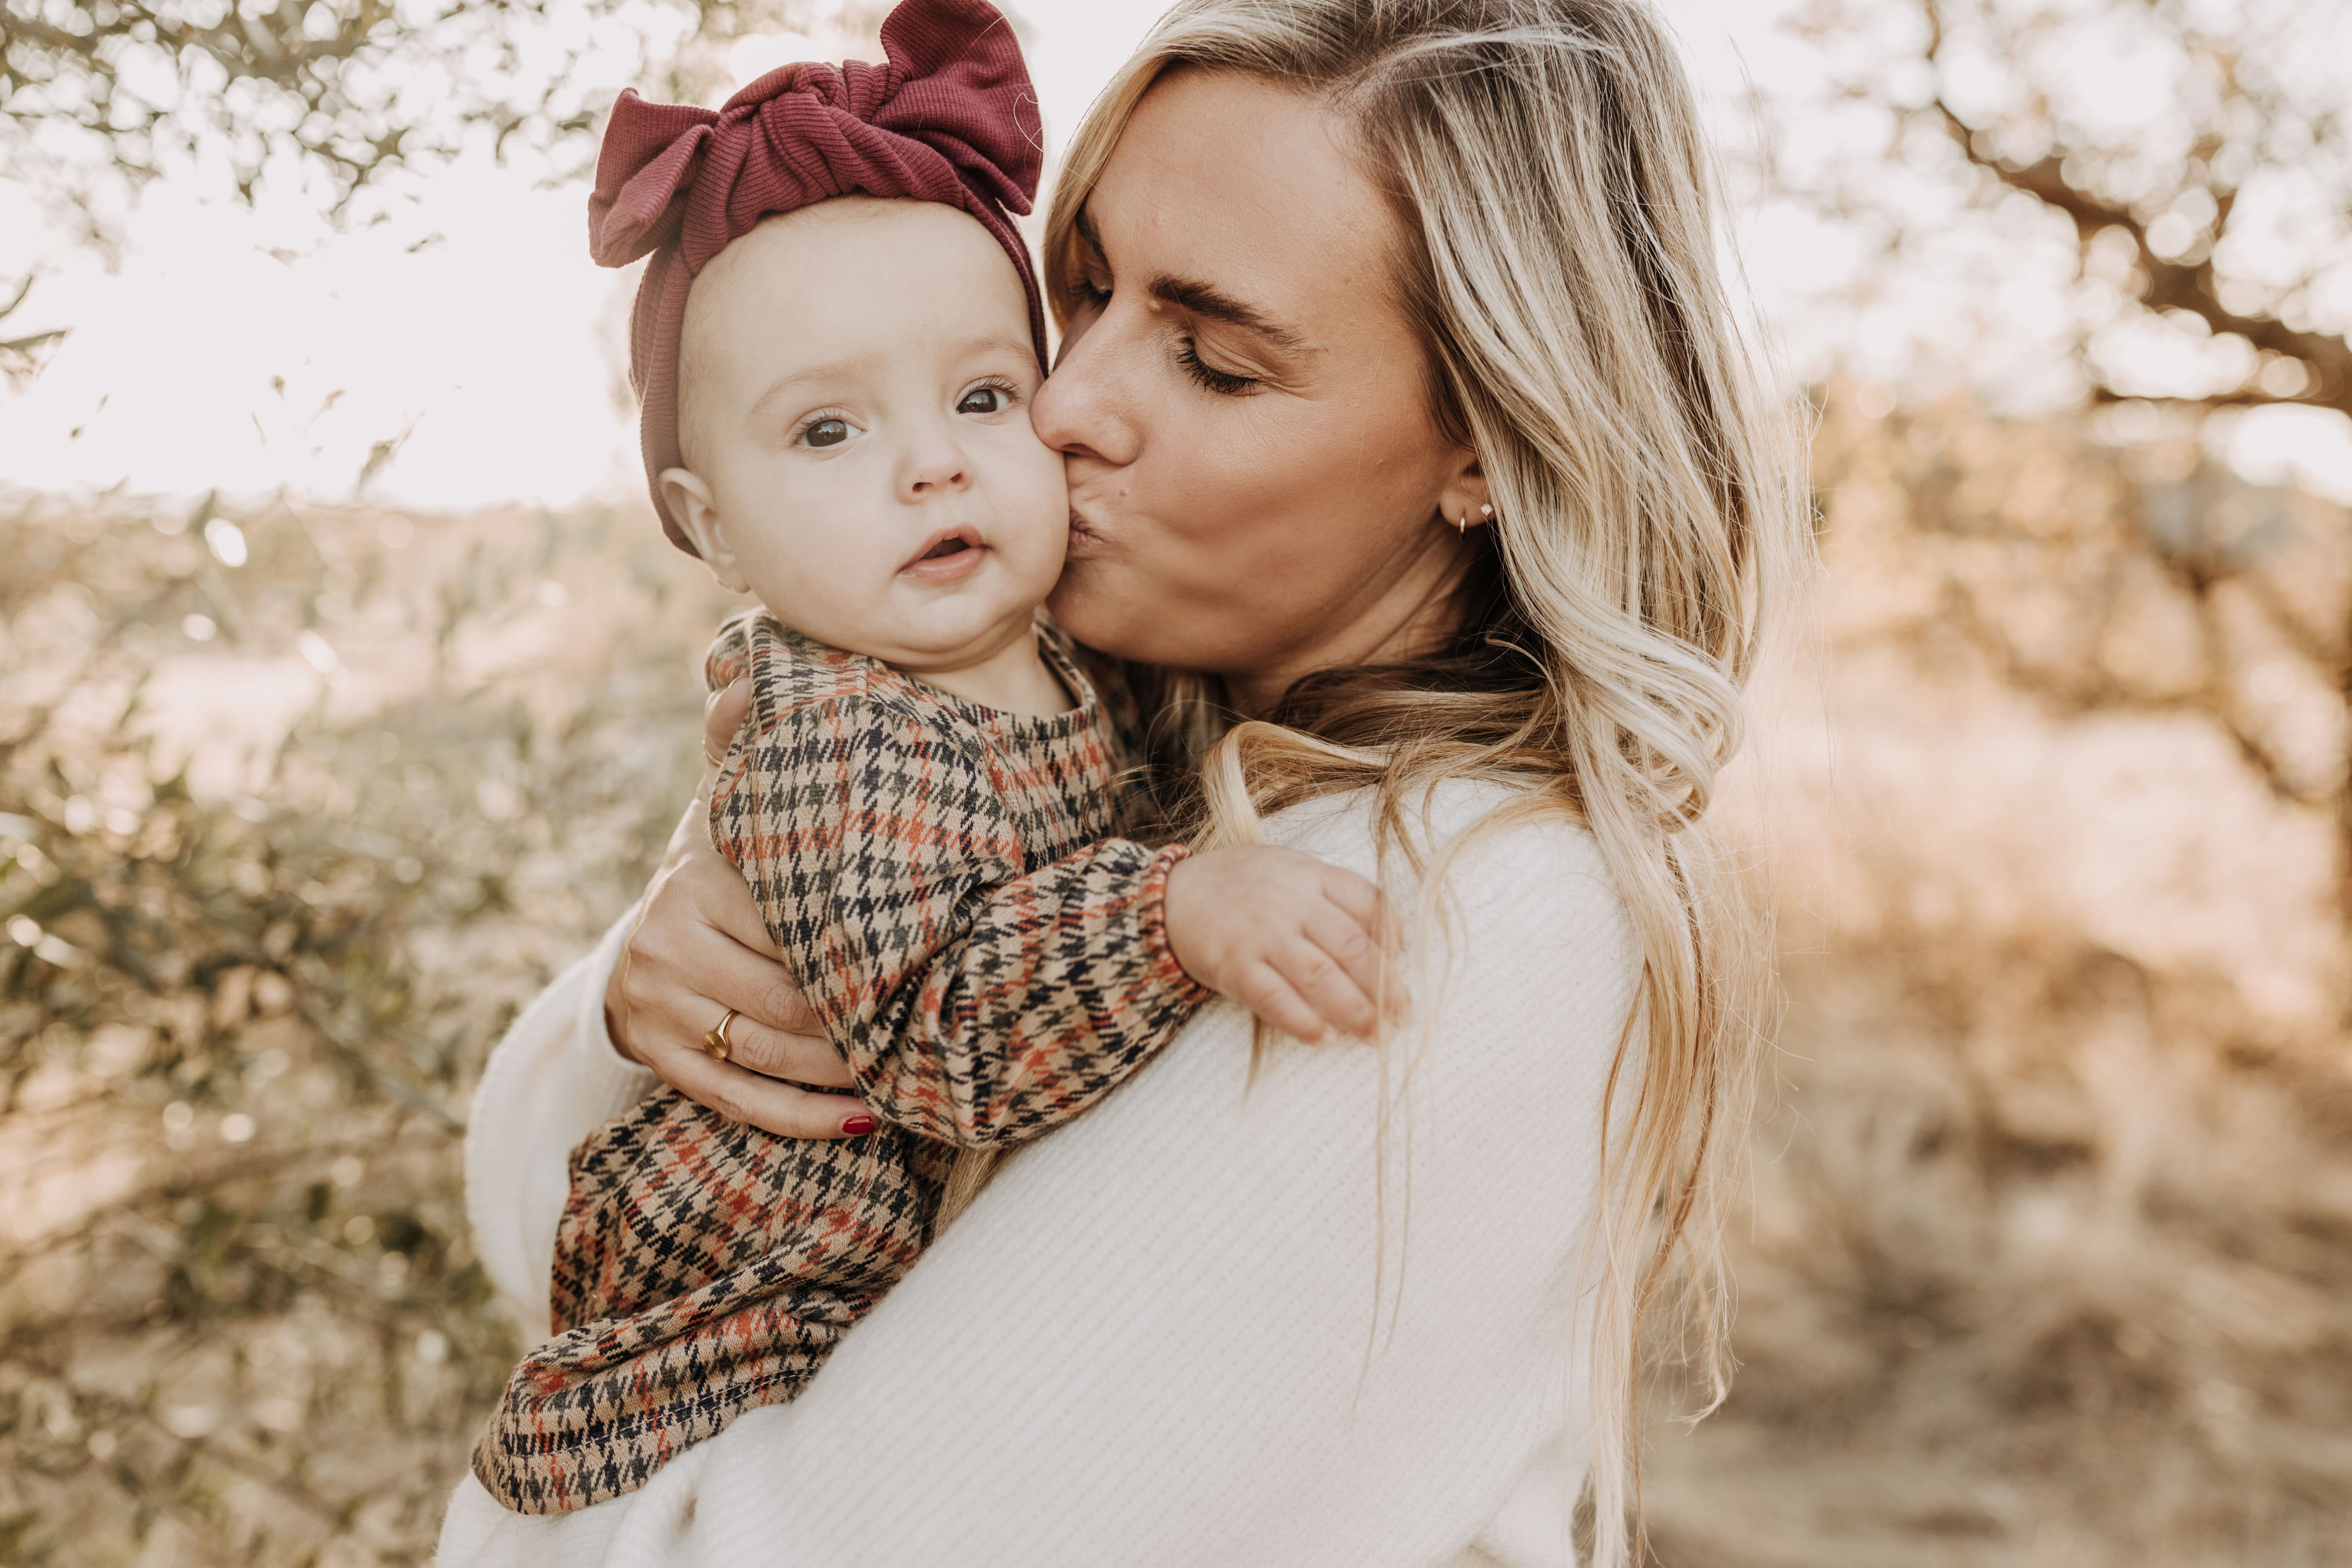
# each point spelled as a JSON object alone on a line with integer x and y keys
{"x": 1298, "y": 943}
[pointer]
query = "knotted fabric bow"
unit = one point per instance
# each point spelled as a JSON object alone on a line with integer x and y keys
{"x": 950, "y": 118}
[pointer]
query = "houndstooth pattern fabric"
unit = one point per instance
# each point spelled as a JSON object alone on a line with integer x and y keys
{"x": 938, "y": 878}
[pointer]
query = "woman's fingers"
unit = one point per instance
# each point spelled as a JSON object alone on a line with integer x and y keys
{"x": 703, "y": 930}
{"x": 720, "y": 902}
{"x": 779, "y": 1108}
{"x": 684, "y": 976}
{"x": 700, "y": 951}
{"x": 722, "y": 716}
{"x": 774, "y": 1053}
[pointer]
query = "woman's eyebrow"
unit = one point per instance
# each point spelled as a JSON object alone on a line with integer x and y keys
{"x": 1207, "y": 299}
{"x": 1202, "y": 298}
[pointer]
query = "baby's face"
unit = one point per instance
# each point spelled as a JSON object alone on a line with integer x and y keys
{"x": 856, "y": 432}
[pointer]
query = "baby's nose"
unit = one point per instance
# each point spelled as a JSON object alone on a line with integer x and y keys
{"x": 935, "y": 467}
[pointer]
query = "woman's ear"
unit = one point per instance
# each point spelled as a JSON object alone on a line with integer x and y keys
{"x": 689, "y": 500}
{"x": 1463, "y": 503}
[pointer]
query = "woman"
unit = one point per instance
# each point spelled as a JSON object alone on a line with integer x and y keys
{"x": 1403, "y": 410}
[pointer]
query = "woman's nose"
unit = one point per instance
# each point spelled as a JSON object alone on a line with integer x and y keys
{"x": 1086, "y": 409}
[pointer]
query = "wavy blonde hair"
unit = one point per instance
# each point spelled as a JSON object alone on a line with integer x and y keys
{"x": 1558, "y": 255}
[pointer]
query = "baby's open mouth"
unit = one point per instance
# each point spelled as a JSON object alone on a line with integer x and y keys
{"x": 948, "y": 555}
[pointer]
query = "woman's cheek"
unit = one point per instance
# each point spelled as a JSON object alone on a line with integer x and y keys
{"x": 1088, "y": 603}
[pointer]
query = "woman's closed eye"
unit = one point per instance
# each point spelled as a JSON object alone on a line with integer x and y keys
{"x": 1091, "y": 285}
{"x": 1091, "y": 288}
{"x": 1224, "y": 383}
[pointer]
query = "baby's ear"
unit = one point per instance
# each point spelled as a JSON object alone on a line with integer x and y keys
{"x": 689, "y": 500}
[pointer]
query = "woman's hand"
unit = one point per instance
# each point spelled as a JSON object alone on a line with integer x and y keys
{"x": 699, "y": 948}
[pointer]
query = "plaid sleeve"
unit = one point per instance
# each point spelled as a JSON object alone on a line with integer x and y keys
{"x": 729, "y": 656}
{"x": 978, "y": 1004}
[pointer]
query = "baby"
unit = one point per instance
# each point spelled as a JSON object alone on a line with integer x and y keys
{"x": 836, "y": 382}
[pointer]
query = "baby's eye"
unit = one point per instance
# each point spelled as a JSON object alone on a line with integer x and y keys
{"x": 826, "y": 433}
{"x": 983, "y": 400}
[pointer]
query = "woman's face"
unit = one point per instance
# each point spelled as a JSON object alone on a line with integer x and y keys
{"x": 1258, "y": 488}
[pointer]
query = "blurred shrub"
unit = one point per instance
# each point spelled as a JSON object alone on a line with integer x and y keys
{"x": 295, "y": 808}
{"x": 2051, "y": 1259}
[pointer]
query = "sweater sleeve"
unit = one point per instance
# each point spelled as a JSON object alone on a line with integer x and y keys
{"x": 1222, "y": 1321}
{"x": 979, "y": 1002}
{"x": 551, "y": 1080}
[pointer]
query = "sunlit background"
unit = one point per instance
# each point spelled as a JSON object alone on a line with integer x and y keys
{"x": 346, "y": 690}
{"x": 455, "y": 348}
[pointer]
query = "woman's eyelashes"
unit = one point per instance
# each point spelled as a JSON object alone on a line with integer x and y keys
{"x": 1091, "y": 289}
{"x": 1224, "y": 383}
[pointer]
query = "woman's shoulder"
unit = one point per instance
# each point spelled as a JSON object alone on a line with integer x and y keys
{"x": 1481, "y": 832}
{"x": 1523, "y": 898}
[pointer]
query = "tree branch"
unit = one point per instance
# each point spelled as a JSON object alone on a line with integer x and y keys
{"x": 2171, "y": 285}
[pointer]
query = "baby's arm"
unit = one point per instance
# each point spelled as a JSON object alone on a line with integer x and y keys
{"x": 977, "y": 1005}
{"x": 1296, "y": 940}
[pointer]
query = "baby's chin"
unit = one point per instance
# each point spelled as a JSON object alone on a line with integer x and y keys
{"x": 937, "y": 614}
{"x": 921, "y": 631}
{"x": 939, "y": 656}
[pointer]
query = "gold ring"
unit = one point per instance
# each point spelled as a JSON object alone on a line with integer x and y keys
{"x": 715, "y": 1042}
{"x": 714, "y": 762}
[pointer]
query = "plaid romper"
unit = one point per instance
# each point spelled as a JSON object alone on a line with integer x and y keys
{"x": 938, "y": 878}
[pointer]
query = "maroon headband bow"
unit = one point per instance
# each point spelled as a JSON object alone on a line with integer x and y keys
{"x": 950, "y": 118}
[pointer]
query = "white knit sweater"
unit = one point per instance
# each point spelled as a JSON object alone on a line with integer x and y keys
{"x": 1173, "y": 1333}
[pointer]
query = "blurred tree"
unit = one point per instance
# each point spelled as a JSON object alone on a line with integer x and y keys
{"x": 21, "y": 357}
{"x": 2199, "y": 151}
{"x": 2197, "y": 158}
{"x": 351, "y": 87}
{"x": 97, "y": 99}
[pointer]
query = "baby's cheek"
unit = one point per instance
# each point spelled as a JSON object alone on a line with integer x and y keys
{"x": 825, "y": 565}
{"x": 1042, "y": 486}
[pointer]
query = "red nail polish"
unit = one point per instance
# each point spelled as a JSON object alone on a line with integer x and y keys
{"x": 859, "y": 1125}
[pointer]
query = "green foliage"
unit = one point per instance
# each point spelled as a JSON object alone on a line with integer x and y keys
{"x": 269, "y": 898}
{"x": 348, "y": 88}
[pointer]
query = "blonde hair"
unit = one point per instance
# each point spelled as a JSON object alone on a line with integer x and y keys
{"x": 1558, "y": 254}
